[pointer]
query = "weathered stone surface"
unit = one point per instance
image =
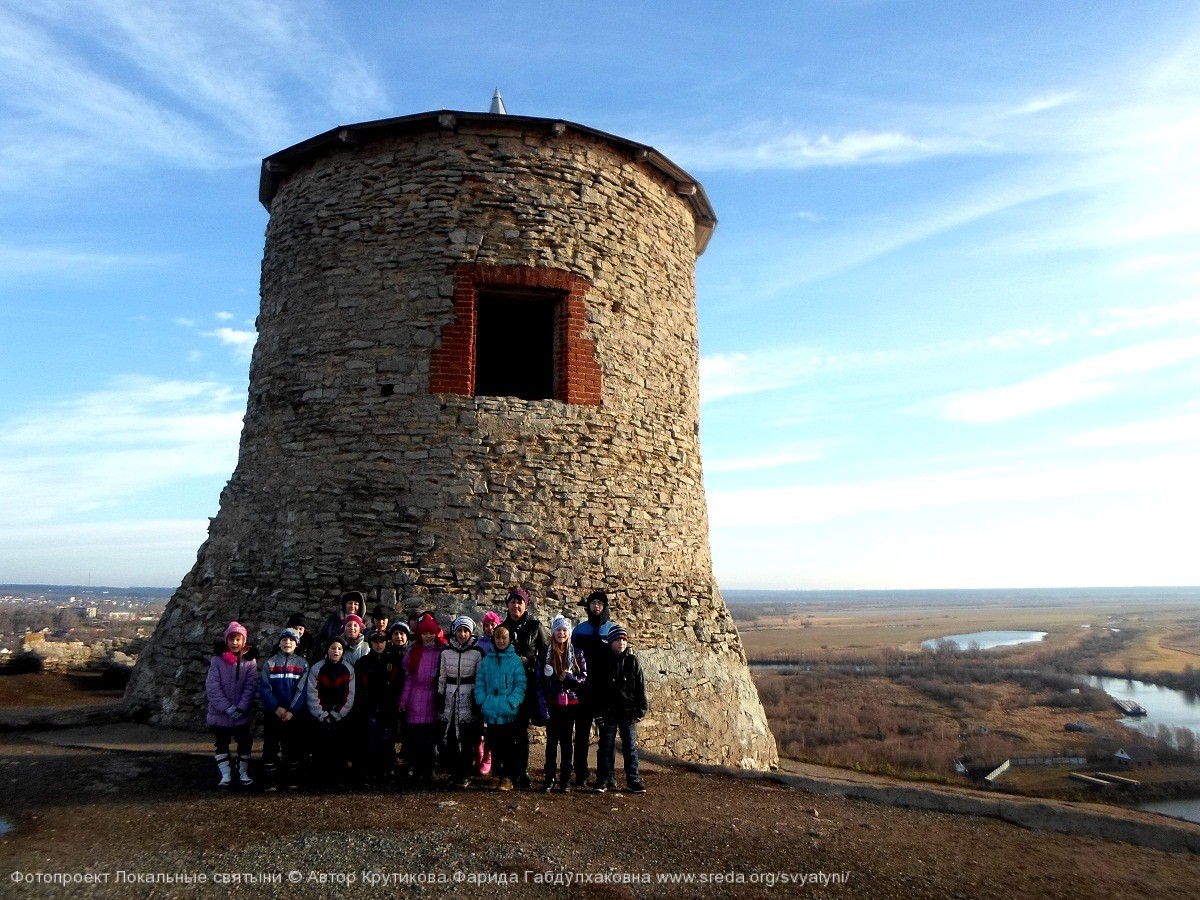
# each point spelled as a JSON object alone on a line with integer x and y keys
{"x": 352, "y": 474}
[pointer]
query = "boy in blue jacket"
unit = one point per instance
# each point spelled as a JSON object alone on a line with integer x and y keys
{"x": 281, "y": 689}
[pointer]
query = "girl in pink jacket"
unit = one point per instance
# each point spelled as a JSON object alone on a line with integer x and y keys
{"x": 418, "y": 701}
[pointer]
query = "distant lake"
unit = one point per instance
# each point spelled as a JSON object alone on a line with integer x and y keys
{"x": 986, "y": 640}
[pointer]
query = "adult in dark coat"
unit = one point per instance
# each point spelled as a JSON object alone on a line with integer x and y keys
{"x": 307, "y": 645}
{"x": 351, "y": 603}
{"x": 379, "y": 676}
{"x": 529, "y": 641}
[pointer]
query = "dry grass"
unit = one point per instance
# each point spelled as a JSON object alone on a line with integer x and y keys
{"x": 1164, "y": 646}
{"x": 35, "y": 690}
{"x": 917, "y": 725}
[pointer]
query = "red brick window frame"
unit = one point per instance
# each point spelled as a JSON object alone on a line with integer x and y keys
{"x": 577, "y": 377}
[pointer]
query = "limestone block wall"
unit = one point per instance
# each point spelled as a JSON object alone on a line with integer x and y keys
{"x": 353, "y": 473}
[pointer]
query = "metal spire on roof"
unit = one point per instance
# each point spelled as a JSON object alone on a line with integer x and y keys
{"x": 497, "y": 106}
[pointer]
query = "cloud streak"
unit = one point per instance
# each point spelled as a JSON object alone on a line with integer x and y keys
{"x": 99, "y": 449}
{"x": 1168, "y": 476}
{"x": 1087, "y": 379}
{"x": 240, "y": 340}
{"x": 143, "y": 553}
{"x": 725, "y": 375}
{"x": 751, "y": 151}
{"x": 207, "y": 85}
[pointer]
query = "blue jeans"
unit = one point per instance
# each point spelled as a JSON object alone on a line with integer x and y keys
{"x": 606, "y": 753}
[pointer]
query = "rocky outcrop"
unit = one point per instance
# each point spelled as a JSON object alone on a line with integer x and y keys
{"x": 60, "y": 656}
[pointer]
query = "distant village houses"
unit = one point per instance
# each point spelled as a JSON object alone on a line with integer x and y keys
{"x": 1135, "y": 757}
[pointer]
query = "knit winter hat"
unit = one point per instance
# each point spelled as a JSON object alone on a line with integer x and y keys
{"x": 339, "y": 640}
{"x": 296, "y": 619}
{"x": 428, "y": 625}
{"x": 464, "y": 622}
{"x": 561, "y": 622}
{"x": 352, "y": 618}
{"x": 617, "y": 632}
{"x": 400, "y": 626}
{"x": 492, "y": 616}
{"x": 377, "y": 636}
{"x": 517, "y": 594}
{"x": 290, "y": 633}
{"x": 594, "y": 595}
{"x": 236, "y": 628}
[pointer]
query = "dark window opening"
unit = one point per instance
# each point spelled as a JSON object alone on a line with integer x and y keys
{"x": 515, "y": 344}
{"x": 386, "y": 390}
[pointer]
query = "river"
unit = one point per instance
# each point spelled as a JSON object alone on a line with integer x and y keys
{"x": 1164, "y": 706}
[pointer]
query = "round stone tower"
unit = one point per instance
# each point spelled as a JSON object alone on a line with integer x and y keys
{"x": 476, "y": 367}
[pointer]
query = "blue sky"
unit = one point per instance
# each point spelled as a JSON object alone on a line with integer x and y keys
{"x": 950, "y": 319}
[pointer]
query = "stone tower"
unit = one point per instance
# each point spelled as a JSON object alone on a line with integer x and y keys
{"x": 476, "y": 367}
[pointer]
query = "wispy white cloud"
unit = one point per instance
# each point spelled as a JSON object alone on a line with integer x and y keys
{"x": 240, "y": 340}
{"x": 778, "y": 368}
{"x": 202, "y": 84}
{"x": 755, "y": 463}
{"x": 1183, "y": 427}
{"x": 1044, "y": 102}
{"x": 755, "y": 148}
{"x": 101, "y": 448}
{"x": 1135, "y": 318}
{"x": 1092, "y": 166}
{"x": 21, "y": 261}
{"x": 1083, "y": 380}
{"x": 123, "y": 553}
{"x": 1170, "y": 476}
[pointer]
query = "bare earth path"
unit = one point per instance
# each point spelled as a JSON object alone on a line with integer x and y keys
{"x": 133, "y": 819}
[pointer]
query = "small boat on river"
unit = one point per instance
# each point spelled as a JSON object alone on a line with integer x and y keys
{"x": 1130, "y": 708}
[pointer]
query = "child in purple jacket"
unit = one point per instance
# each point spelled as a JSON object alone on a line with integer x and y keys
{"x": 230, "y": 686}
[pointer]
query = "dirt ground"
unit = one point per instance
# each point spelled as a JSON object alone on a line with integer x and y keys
{"x": 132, "y": 817}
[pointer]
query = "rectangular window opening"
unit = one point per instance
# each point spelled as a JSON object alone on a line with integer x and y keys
{"x": 515, "y": 344}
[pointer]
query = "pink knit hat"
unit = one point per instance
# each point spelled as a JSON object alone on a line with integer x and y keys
{"x": 236, "y": 628}
{"x": 491, "y": 617}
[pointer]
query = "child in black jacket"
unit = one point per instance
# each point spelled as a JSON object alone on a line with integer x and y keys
{"x": 620, "y": 704}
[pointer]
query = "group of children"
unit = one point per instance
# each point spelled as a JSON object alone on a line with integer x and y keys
{"x": 346, "y": 702}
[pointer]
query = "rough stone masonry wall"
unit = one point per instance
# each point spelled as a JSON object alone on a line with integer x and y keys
{"x": 353, "y": 475}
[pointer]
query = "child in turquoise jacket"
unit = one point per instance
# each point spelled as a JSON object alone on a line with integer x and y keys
{"x": 500, "y": 688}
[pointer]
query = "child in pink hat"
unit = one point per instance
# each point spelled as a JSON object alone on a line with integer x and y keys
{"x": 230, "y": 687}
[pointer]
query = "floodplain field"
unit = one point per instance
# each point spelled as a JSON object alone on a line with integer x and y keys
{"x": 856, "y": 690}
{"x": 1166, "y": 629}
